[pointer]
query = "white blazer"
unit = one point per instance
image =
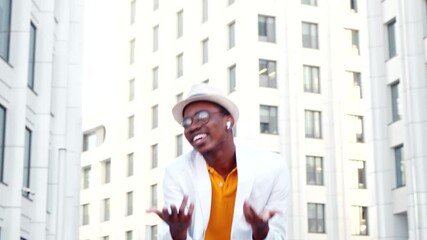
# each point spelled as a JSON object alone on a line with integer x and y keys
{"x": 263, "y": 179}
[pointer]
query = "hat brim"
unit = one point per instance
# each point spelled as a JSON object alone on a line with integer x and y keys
{"x": 178, "y": 109}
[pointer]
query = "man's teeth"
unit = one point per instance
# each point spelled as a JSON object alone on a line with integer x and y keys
{"x": 199, "y": 136}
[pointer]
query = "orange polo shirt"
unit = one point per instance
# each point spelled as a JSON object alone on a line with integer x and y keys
{"x": 222, "y": 208}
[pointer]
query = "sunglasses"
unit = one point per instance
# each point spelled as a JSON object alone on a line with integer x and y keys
{"x": 199, "y": 118}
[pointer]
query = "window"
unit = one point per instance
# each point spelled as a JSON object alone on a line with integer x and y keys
{"x": 391, "y": 37}
{"x": 355, "y": 40}
{"x": 314, "y": 170}
{"x": 131, "y": 89}
{"x": 5, "y": 13}
{"x": 129, "y": 203}
{"x": 2, "y": 139}
{"x": 132, "y": 11}
{"x": 105, "y": 210}
{"x": 154, "y": 156}
{"x": 316, "y": 217}
{"x": 359, "y": 220}
{"x": 357, "y": 85}
{"x": 266, "y": 29}
{"x": 155, "y": 38}
{"x": 180, "y": 22}
{"x": 231, "y": 35}
{"x": 131, "y": 126}
{"x": 395, "y": 102}
{"x": 130, "y": 165}
{"x": 205, "y": 51}
{"x": 311, "y": 79}
{"x": 86, "y": 177}
{"x": 155, "y": 4}
{"x": 310, "y": 35}
{"x": 179, "y": 97}
{"x": 132, "y": 51}
{"x": 268, "y": 119}
{"x": 153, "y": 232}
{"x": 232, "y": 79}
{"x": 85, "y": 214}
{"x": 179, "y": 65}
{"x": 155, "y": 76}
{"x": 155, "y": 116}
{"x": 309, "y": 2}
{"x": 400, "y": 166}
{"x": 313, "y": 123}
{"x": 27, "y": 162}
{"x": 358, "y": 174}
{"x": 153, "y": 190}
{"x": 93, "y": 138}
{"x": 356, "y": 129}
{"x": 32, "y": 57}
{"x": 106, "y": 171}
{"x": 205, "y": 13}
{"x": 179, "y": 145}
{"x": 267, "y": 73}
{"x": 129, "y": 235}
{"x": 353, "y": 5}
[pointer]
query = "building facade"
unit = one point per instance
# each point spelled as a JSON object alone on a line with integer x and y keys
{"x": 397, "y": 130}
{"x": 40, "y": 118}
{"x": 336, "y": 87}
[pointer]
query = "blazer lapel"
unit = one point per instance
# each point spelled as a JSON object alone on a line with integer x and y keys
{"x": 203, "y": 190}
{"x": 245, "y": 174}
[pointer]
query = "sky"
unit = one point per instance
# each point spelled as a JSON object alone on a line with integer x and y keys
{"x": 100, "y": 53}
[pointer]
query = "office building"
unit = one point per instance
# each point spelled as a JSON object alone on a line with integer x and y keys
{"x": 40, "y": 119}
{"x": 336, "y": 87}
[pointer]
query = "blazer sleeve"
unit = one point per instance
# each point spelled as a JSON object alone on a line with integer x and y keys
{"x": 173, "y": 193}
{"x": 279, "y": 200}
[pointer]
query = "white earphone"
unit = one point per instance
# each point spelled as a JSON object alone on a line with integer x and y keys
{"x": 228, "y": 124}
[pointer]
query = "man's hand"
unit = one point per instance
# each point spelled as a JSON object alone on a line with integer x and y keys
{"x": 179, "y": 220}
{"x": 258, "y": 222}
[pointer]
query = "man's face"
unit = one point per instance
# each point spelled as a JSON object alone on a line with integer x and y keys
{"x": 205, "y": 126}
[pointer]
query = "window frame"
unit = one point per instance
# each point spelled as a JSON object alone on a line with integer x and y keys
{"x": 314, "y": 177}
{"x": 362, "y": 218}
{"x": 396, "y": 114}
{"x": 32, "y": 57}
{"x": 267, "y": 68}
{"x": 205, "y": 51}
{"x": 316, "y": 123}
{"x": 266, "y": 28}
{"x": 3, "y": 128}
{"x": 154, "y": 155}
{"x": 231, "y": 34}
{"x": 318, "y": 221}
{"x": 129, "y": 203}
{"x": 5, "y": 39}
{"x": 132, "y": 46}
{"x": 271, "y": 126}
{"x": 232, "y": 78}
{"x": 310, "y": 39}
{"x": 86, "y": 177}
{"x": 26, "y": 183}
{"x": 399, "y": 164}
{"x": 180, "y": 23}
{"x": 391, "y": 38}
{"x": 311, "y": 79}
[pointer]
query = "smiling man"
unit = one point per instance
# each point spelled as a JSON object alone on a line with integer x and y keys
{"x": 219, "y": 190}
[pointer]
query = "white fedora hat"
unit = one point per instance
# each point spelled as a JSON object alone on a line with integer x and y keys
{"x": 205, "y": 92}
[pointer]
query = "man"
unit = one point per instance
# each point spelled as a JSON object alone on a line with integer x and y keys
{"x": 219, "y": 190}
